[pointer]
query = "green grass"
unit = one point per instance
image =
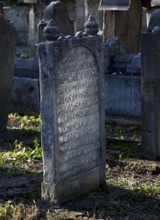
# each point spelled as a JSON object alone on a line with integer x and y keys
{"x": 16, "y": 121}
{"x": 21, "y": 153}
{"x": 147, "y": 189}
{"x": 25, "y": 158}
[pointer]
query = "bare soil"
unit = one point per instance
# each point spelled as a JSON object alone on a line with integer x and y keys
{"x": 132, "y": 189}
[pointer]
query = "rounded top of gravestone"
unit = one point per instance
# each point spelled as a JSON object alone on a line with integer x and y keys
{"x": 154, "y": 21}
{"x": 51, "y": 31}
{"x": 91, "y": 27}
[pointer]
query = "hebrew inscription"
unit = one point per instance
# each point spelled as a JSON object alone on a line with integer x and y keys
{"x": 78, "y": 112}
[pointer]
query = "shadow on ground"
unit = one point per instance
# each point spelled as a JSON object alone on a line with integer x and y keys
{"x": 116, "y": 203}
{"x": 8, "y": 138}
{"x": 111, "y": 202}
{"x": 19, "y": 185}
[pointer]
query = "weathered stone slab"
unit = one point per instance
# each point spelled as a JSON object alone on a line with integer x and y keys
{"x": 72, "y": 112}
{"x": 1, "y": 8}
{"x": 7, "y": 55}
{"x": 151, "y": 95}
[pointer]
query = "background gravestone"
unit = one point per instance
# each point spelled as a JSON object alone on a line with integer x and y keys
{"x": 72, "y": 112}
{"x": 7, "y": 56}
{"x": 57, "y": 11}
{"x": 19, "y": 17}
{"x": 151, "y": 89}
{"x": 123, "y": 25}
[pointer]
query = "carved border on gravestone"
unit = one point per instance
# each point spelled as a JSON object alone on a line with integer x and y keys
{"x": 58, "y": 81}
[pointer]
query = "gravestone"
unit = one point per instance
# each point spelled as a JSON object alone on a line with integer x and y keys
{"x": 151, "y": 90}
{"x": 114, "y": 4}
{"x": 7, "y": 55}
{"x": 81, "y": 11}
{"x": 123, "y": 24}
{"x": 91, "y": 8}
{"x": 72, "y": 112}
{"x": 58, "y": 11}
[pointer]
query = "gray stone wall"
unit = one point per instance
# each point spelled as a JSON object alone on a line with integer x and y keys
{"x": 122, "y": 82}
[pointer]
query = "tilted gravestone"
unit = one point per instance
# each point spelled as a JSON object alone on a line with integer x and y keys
{"x": 57, "y": 11}
{"x": 7, "y": 56}
{"x": 151, "y": 89}
{"x": 72, "y": 112}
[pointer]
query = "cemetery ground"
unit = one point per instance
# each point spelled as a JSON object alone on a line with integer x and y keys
{"x": 132, "y": 189}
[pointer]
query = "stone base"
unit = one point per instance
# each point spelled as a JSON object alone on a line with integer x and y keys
{"x": 49, "y": 192}
{"x": 56, "y": 193}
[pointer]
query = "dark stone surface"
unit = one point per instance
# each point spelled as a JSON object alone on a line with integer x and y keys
{"x": 1, "y": 8}
{"x": 7, "y": 56}
{"x": 151, "y": 95}
{"x": 19, "y": 16}
{"x": 25, "y": 96}
{"x": 26, "y": 68}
